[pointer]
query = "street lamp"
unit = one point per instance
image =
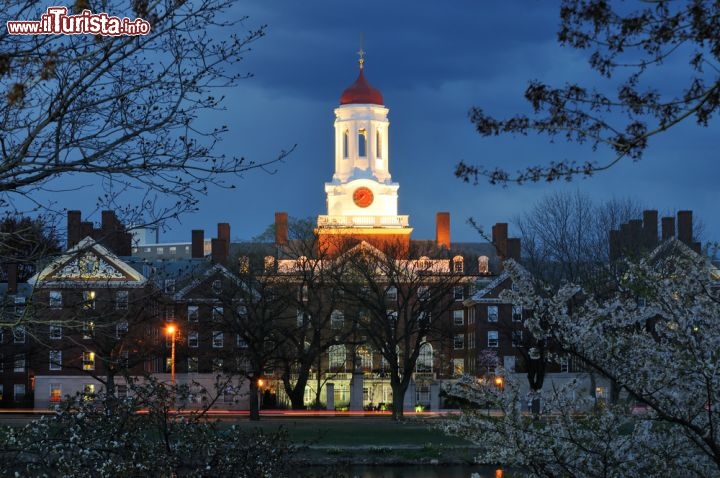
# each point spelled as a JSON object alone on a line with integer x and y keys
{"x": 171, "y": 331}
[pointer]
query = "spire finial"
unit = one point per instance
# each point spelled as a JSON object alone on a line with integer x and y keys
{"x": 361, "y": 53}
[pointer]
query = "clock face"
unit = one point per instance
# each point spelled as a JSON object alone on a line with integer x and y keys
{"x": 363, "y": 197}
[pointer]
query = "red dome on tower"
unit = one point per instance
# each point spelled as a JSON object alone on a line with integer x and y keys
{"x": 361, "y": 92}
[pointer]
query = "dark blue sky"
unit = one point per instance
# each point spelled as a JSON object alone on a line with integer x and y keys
{"x": 432, "y": 61}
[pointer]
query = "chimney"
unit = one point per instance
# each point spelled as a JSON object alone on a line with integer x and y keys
{"x": 513, "y": 248}
{"x": 668, "y": 228}
{"x": 281, "y": 228}
{"x": 500, "y": 239}
{"x": 636, "y": 236}
{"x": 198, "y": 244}
{"x": 224, "y": 235}
{"x": 218, "y": 248}
{"x": 12, "y": 278}
{"x": 650, "y": 229}
{"x": 684, "y": 227}
{"x": 614, "y": 245}
{"x": 74, "y": 218}
{"x": 442, "y": 229}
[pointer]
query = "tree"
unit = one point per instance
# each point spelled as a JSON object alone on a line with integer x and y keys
{"x": 565, "y": 235}
{"x": 654, "y": 333}
{"x": 637, "y": 45}
{"x": 402, "y": 305}
{"x": 121, "y": 111}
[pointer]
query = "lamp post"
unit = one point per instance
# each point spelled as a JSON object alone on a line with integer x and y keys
{"x": 171, "y": 330}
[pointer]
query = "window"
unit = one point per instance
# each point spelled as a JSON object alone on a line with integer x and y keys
{"x": 124, "y": 359}
{"x": 458, "y": 264}
{"x": 459, "y": 342}
{"x": 458, "y": 317}
{"x": 55, "y": 301}
{"x": 336, "y": 355}
{"x": 337, "y": 320}
{"x": 217, "y": 286}
{"x": 88, "y": 329}
{"x": 244, "y": 265}
{"x": 564, "y": 365}
{"x": 240, "y": 342}
{"x": 483, "y": 265}
{"x": 121, "y": 329}
{"x": 517, "y": 313}
{"x": 493, "y": 339}
{"x": 170, "y": 285}
{"x": 19, "y": 363}
{"x": 517, "y": 338}
{"x": 362, "y": 142}
{"x": 391, "y": 293}
{"x": 458, "y": 367}
{"x": 160, "y": 250}
{"x": 269, "y": 263}
{"x": 471, "y": 340}
{"x": 378, "y": 144}
{"x": 121, "y": 300}
{"x": 471, "y": 315}
{"x": 217, "y": 339}
{"x": 55, "y": 360}
{"x": 122, "y": 391}
{"x": 88, "y": 299}
{"x": 423, "y": 292}
{"x": 492, "y": 311}
{"x": 89, "y": 391}
{"x": 217, "y": 365}
{"x": 193, "y": 363}
{"x": 458, "y": 292}
{"x": 172, "y": 250}
{"x": 19, "y": 305}
{"x": 19, "y": 392}
{"x": 424, "y": 362}
{"x": 193, "y": 313}
{"x": 88, "y": 361}
{"x": 365, "y": 356}
{"x": 217, "y": 313}
{"x": 303, "y": 293}
{"x": 346, "y": 143}
{"x": 302, "y": 318}
{"x": 193, "y": 340}
{"x": 55, "y": 392}
{"x": 169, "y": 313}
{"x": 19, "y": 334}
{"x": 423, "y": 319}
{"x": 55, "y": 332}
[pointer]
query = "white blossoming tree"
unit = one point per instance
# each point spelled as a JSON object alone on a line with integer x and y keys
{"x": 655, "y": 334}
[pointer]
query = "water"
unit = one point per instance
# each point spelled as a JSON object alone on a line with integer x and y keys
{"x": 426, "y": 471}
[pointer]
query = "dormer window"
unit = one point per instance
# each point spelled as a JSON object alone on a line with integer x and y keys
{"x": 362, "y": 142}
{"x": 458, "y": 264}
{"x": 483, "y": 265}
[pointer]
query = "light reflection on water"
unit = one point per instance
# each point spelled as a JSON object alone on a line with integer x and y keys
{"x": 428, "y": 471}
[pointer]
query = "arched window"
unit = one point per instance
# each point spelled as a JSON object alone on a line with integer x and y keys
{"x": 336, "y": 356}
{"x": 365, "y": 358}
{"x": 424, "y": 362}
{"x": 346, "y": 143}
{"x": 362, "y": 142}
{"x": 483, "y": 267}
{"x": 378, "y": 144}
{"x": 458, "y": 264}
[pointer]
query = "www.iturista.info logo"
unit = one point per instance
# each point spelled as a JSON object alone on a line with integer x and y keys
{"x": 57, "y": 21}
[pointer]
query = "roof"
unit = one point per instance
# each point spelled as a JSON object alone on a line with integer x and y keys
{"x": 361, "y": 92}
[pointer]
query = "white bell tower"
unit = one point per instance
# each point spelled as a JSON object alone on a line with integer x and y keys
{"x": 362, "y": 199}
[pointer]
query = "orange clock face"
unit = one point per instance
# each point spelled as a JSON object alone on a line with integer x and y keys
{"x": 363, "y": 197}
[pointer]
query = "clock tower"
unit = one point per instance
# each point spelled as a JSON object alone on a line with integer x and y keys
{"x": 362, "y": 198}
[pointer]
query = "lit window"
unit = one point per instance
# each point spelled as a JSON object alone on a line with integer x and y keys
{"x": 19, "y": 334}
{"x": 89, "y": 299}
{"x": 458, "y": 265}
{"x": 517, "y": 313}
{"x": 492, "y": 311}
{"x": 89, "y": 391}
{"x": 193, "y": 364}
{"x": 217, "y": 340}
{"x": 121, "y": 300}
{"x": 55, "y": 332}
{"x": 458, "y": 367}
{"x": 362, "y": 142}
{"x": 88, "y": 329}
{"x": 269, "y": 263}
{"x": 55, "y": 301}
{"x": 366, "y": 360}
{"x": 19, "y": 363}
{"x": 459, "y": 342}
{"x": 55, "y": 360}
{"x": 337, "y": 319}
{"x": 483, "y": 265}
{"x": 193, "y": 313}
{"x": 55, "y": 392}
{"x": 244, "y": 265}
{"x": 88, "y": 361}
{"x": 217, "y": 365}
{"x": 193, "y": 340}
{"x": 493, "y": 339}
{"x": 458, "y": 317}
